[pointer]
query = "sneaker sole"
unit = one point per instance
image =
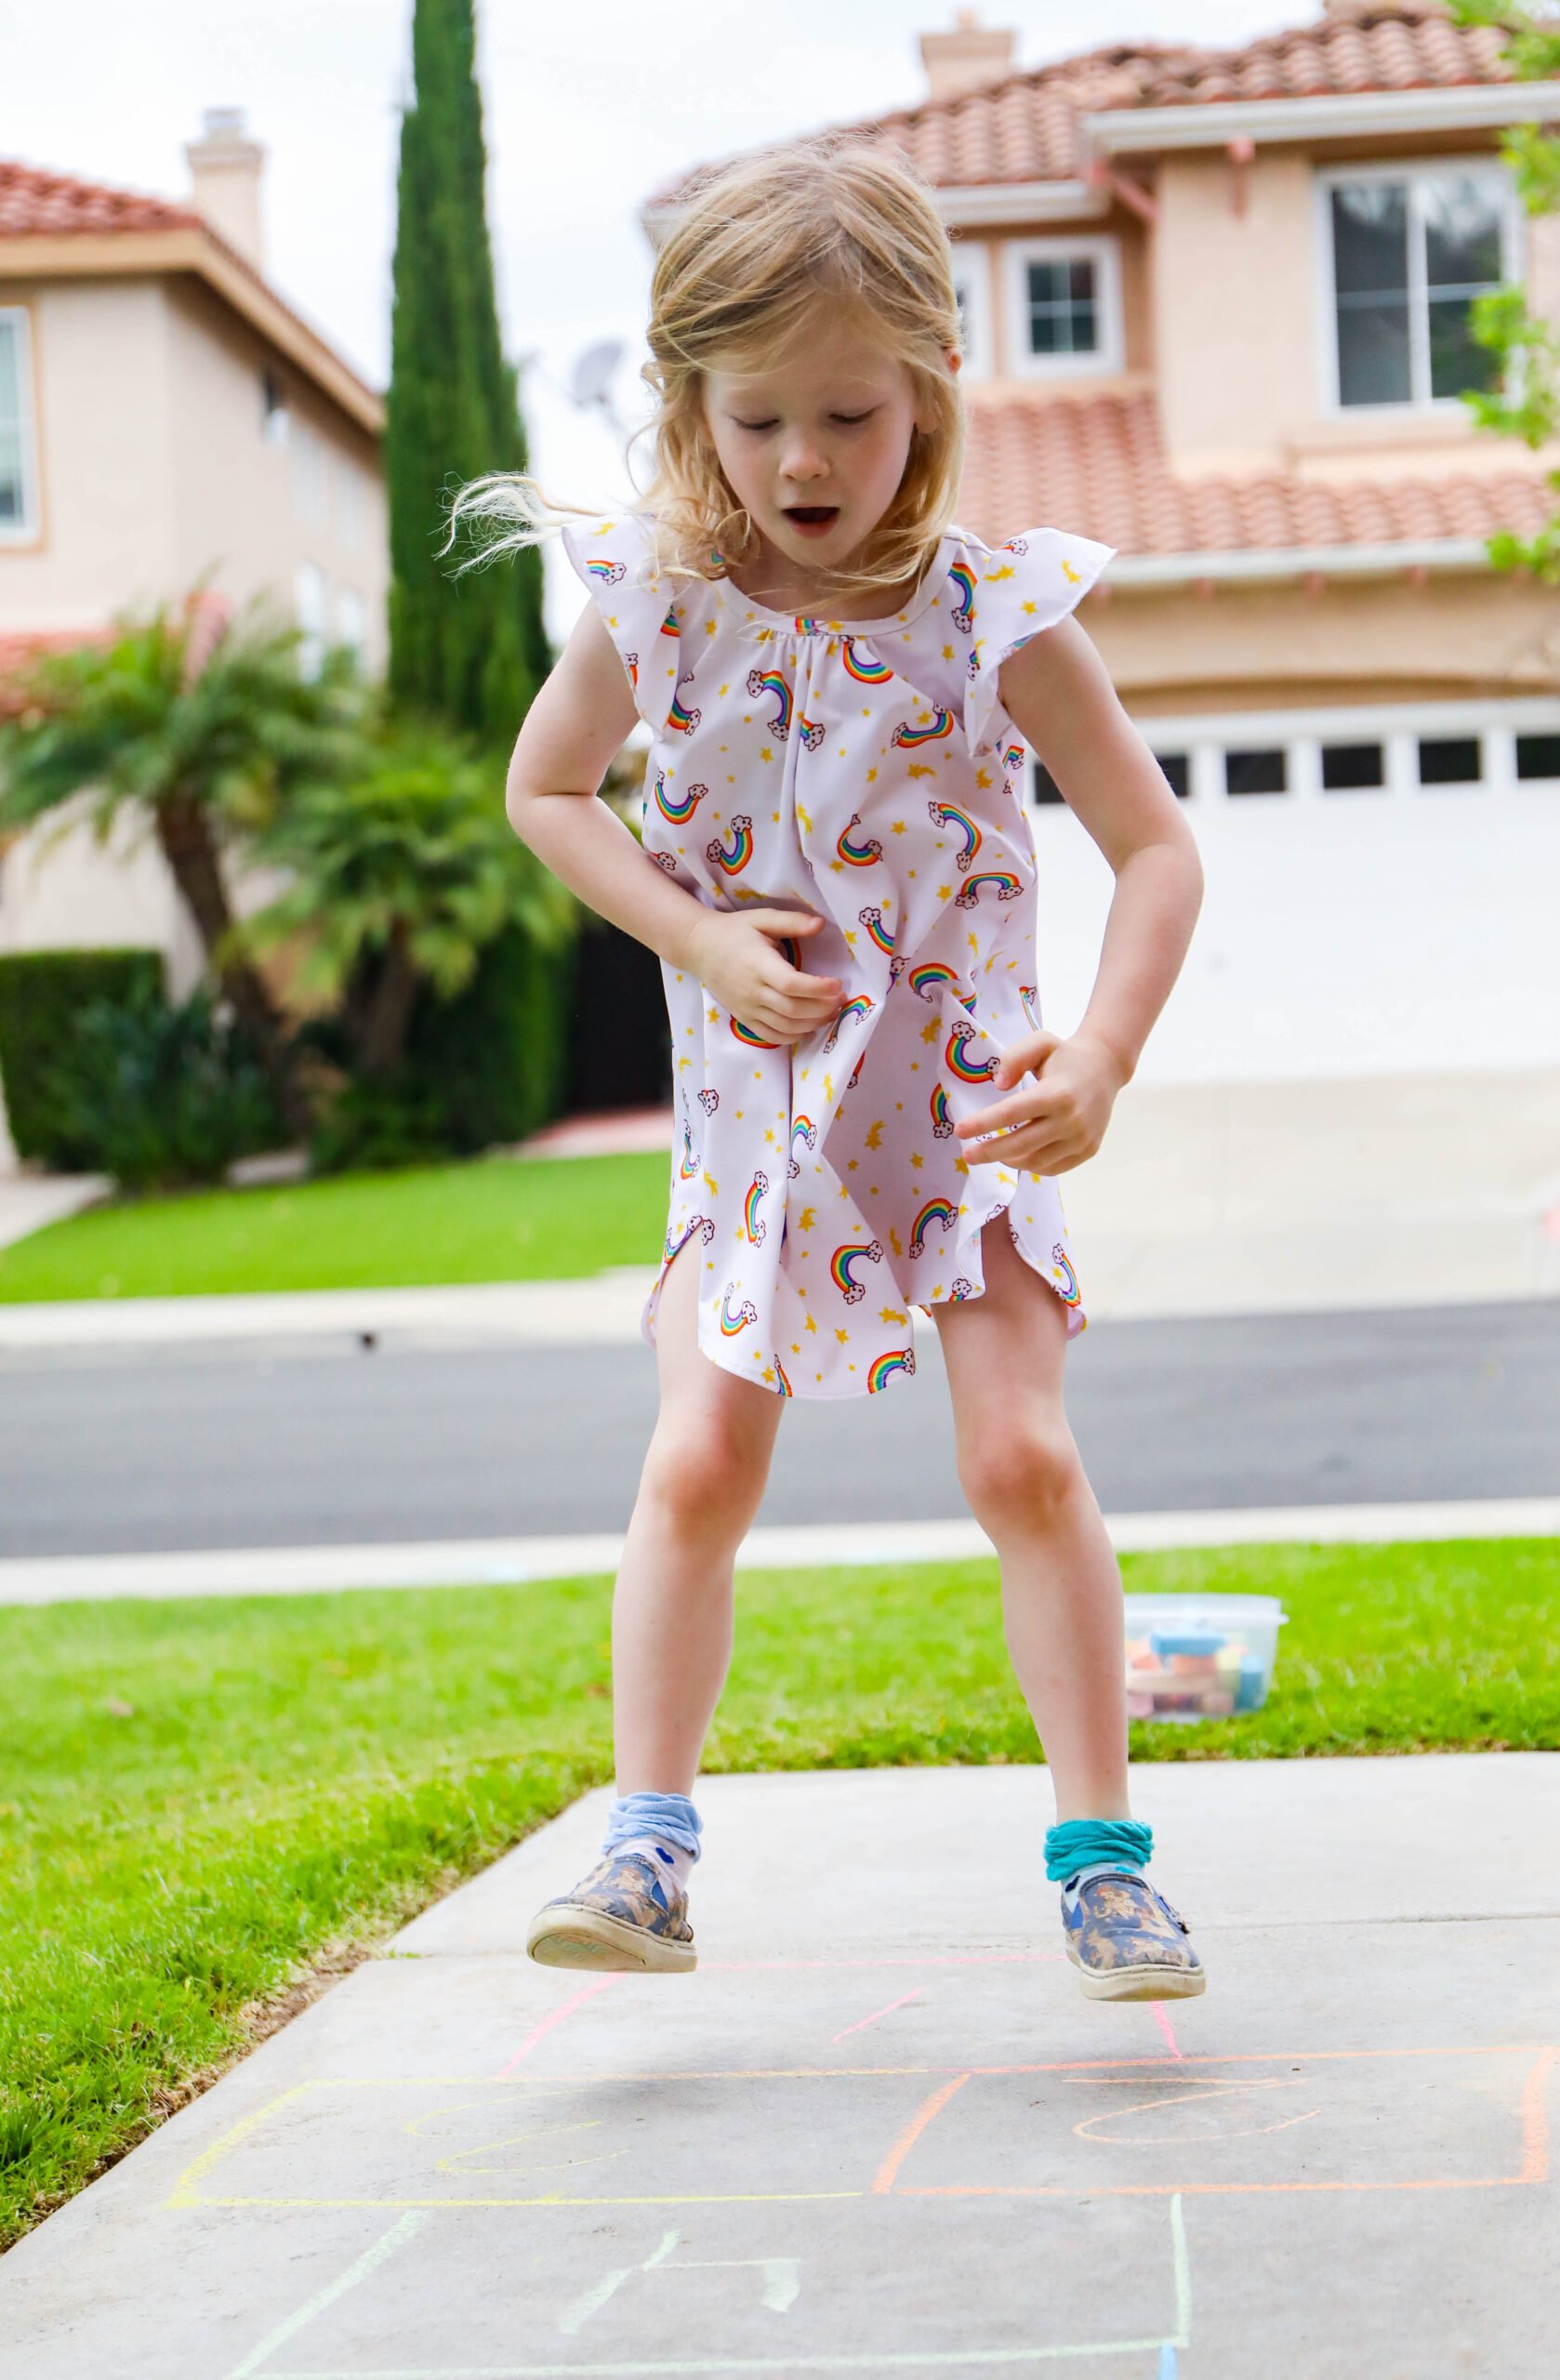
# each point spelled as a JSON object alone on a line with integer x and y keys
{"x": 586, "y": 1937}
{"x": 1145, "y": 1982}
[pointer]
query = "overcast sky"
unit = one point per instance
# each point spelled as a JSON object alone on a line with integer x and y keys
{"x": 589, "y": 106}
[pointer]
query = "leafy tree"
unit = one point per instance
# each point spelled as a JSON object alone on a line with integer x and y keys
{"x": 471, "y": 653}
{"x": 1525, "y": 401}
{"x": 203, "y": 729}
{"x": 402, "y": 875}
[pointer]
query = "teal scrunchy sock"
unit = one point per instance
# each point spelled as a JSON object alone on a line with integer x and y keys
{"x": 1078, "y": 1842}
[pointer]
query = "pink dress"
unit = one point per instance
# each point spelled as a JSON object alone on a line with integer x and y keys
{"x": 866, "y": 773}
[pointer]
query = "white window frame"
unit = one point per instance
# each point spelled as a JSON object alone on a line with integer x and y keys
{"x": 971, "y": 268}
{"x": 1413, "y": 171}
{"x": 27, "y": 531}
{"x": 1105, "y": 255}
{"x": 1397, "y": 727}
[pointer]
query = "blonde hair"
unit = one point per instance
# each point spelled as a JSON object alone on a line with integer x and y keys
{"x": 758, "y": 246}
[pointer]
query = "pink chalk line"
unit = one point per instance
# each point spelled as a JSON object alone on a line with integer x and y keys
{"x": 876, "y": 2013}
{"x": 548, "y": 2024}
{"x": 1164, "y": 2024}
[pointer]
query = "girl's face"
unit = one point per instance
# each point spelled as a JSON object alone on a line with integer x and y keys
{"x": 815, "y": 446}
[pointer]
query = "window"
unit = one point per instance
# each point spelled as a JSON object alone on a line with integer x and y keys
{"x": 1177, "y": 769}
{"x": 971, "y": 284}
{"x": 19, "y": 462}
{"x": 310, "y": 469}
{"x": 1450, "y": 760}
{"x": 274, "y": 417}
{"x": 1064, "y": 306}
{"x": 1538, "y": 755}
{"x": 1348, "y": 767}
{"x": 1257, "y": 772}
{"x": 1410, "y": 253}
{"x": 350, "y": 619}
{"x": 310, "y": 605}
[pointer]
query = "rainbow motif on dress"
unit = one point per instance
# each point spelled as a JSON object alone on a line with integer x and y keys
{"x": 731, "y": 1322}
{"x": 964, "y": 1069}
{"x": 684, "y": 721}
{"x": 1012, "y": 757}
{"x": 754, "y": 1040}
{"x": 670, "y": 625}
{"x": 804, "y": 1130}
{"x": 805, "y": 626}
{"x": 732, "y": 862}
{"x": 936, "y": 1211}
{"x": 1008, "y": 885}
{"x": 609, "y": 573}
{"x": 941, "y": 1117}
{"x": 860, "y": 855}
{"x": 1029, "y": 994}
{"x": 1072, "y": 1295}
{"x": 883, "y": 1367}
{"x": 855, "y": 1251}
{"x": 858, "y": 1006}
{"x": 939, "y": 726}
{"x": 690, "y": 1164}
{"x": 770, "y": 682}
{"x": 753, "y": 1225}
{"x": 927, "y": 980}
{"x": 633, "y": 661}
{"x": 866, "y": 673}
{"x": 812, "y": 733}
{"x": 877, "y": 932}
{"x": 964, "y": 579}
{"x": 704, "y": 1223}
{"x": 786, "y": 1388}
{"x": 677, "y": 812}
{"x": 946, "y": 813}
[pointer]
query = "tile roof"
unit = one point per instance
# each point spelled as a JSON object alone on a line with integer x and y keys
{"x": 1027, "y": 126}
{"x": 36, "y": 205}
{"x": 1096, "y": 463}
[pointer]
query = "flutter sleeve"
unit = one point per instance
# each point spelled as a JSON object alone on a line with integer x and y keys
{"x": 616, "y": 559}
{"x": 1014, "y": 592}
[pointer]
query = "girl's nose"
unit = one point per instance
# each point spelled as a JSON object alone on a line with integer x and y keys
{"x": 801, "y": 463}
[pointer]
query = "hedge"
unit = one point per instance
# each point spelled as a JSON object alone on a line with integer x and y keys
{"x": 42, "y": 993}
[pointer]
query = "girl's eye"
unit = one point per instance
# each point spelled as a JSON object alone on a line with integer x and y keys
{"x": 851, "y": 419}
{"x": 753, "y": 425}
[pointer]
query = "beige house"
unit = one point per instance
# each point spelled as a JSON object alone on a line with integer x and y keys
{"x": 163, "y": 415}
{"x": 1216, "y": 311}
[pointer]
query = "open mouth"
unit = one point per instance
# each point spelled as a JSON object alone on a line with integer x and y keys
{"x": 813, "y": 520}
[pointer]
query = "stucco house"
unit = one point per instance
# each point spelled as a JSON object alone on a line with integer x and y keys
{"x": 1216, "y": 314}
{"x": 164, "y": 414}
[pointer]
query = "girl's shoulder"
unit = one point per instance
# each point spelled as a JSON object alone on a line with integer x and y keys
{"x": 996, "y": 598}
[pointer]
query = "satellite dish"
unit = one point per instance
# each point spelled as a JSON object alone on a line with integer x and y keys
{"x": 594, "y": 370}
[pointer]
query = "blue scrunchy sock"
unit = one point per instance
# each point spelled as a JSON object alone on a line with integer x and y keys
{"x": 1081, "y": 1843}
{"x": 671, "y": 1817}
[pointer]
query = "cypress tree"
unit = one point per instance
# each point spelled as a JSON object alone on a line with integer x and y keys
{"x": 472, "y": 651}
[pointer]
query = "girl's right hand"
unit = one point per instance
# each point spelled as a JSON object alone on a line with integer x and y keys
{"x": 733, "y": 955}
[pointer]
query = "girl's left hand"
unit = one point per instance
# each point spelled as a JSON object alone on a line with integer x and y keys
{"x": 1056, "y": 1122}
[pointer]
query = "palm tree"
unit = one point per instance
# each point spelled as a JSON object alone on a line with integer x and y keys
{"x": 204, "y": 726}
{"x": 399, "y": 877}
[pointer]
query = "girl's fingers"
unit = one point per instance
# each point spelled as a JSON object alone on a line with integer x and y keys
{"x": 1024, "y": 1106}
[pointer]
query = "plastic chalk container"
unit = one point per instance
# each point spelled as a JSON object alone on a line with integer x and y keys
{"x": 1200, "y": 1657}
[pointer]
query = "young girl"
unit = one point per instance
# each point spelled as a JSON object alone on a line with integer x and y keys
{"x": 839, "y": 877}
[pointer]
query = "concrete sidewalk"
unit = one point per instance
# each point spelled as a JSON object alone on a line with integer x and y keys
{"x": 879, "y": 2130}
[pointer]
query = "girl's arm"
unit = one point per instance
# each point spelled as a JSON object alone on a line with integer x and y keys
{"x": 1059, "y": 695}
{"x": 579, "y": 719}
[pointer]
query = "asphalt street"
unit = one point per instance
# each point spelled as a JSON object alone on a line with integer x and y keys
{"x": 230, "y": 1445}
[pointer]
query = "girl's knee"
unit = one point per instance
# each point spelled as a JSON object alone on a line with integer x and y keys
{"x": 1019, "y": 1471}
{"x": 707, "y": 1474}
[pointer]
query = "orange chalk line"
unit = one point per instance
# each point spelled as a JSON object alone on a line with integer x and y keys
{"x": 925, "y": 2113}
{"x": 1534, "y": 2119}
{"x": 1199, "y": 2189}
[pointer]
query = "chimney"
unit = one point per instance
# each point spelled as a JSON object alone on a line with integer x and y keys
{"x": 970, "y": 55}
{"x": 224, "y": 170}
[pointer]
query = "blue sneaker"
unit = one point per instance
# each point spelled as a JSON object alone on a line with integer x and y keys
{"x": 622, "y": 1917}
{"x": 1126, "y": 1940}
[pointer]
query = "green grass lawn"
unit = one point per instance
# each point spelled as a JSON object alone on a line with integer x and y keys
{"x": 495, "y": 1219}
{"x": 203, "y": 1801}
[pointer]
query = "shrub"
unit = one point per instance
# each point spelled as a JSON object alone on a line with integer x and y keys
{"x": 43, "y": 997}
{"x": 160, "y": 1096}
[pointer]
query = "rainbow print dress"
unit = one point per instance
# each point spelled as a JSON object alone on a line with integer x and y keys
{"x": 866, "y": 772}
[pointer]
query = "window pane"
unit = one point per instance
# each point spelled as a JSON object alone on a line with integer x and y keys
{"x": 12, "y": 493}
{"x": 1344, "y": 766}
{"x": 1177, "y": 770}
{"x": 1457, "y": 362}
{"x": 1461, "y": 231}
{"x": 1450, "y": 760}
{"x": 1256, "y": 772}
{"x": 1538, "y": 755}
{"x": 1062, "y": 306}
{"x": 1371, "y": 280}
{"x": 1046, "y": 786}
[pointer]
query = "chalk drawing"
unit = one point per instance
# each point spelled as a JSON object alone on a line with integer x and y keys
{"x": 576, "y": 2317}
{"x": 549, "y": 2024}
{"x": 903, "y": 2000}
{"x": 370, "y": 2261}
{"x": 1203, "y": 2093}
{"x": 782, "y": 2282}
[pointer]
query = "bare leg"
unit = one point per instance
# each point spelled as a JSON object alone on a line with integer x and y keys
{"x": 702, "y": 1481}
{"x": 1020, "y": 1467}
